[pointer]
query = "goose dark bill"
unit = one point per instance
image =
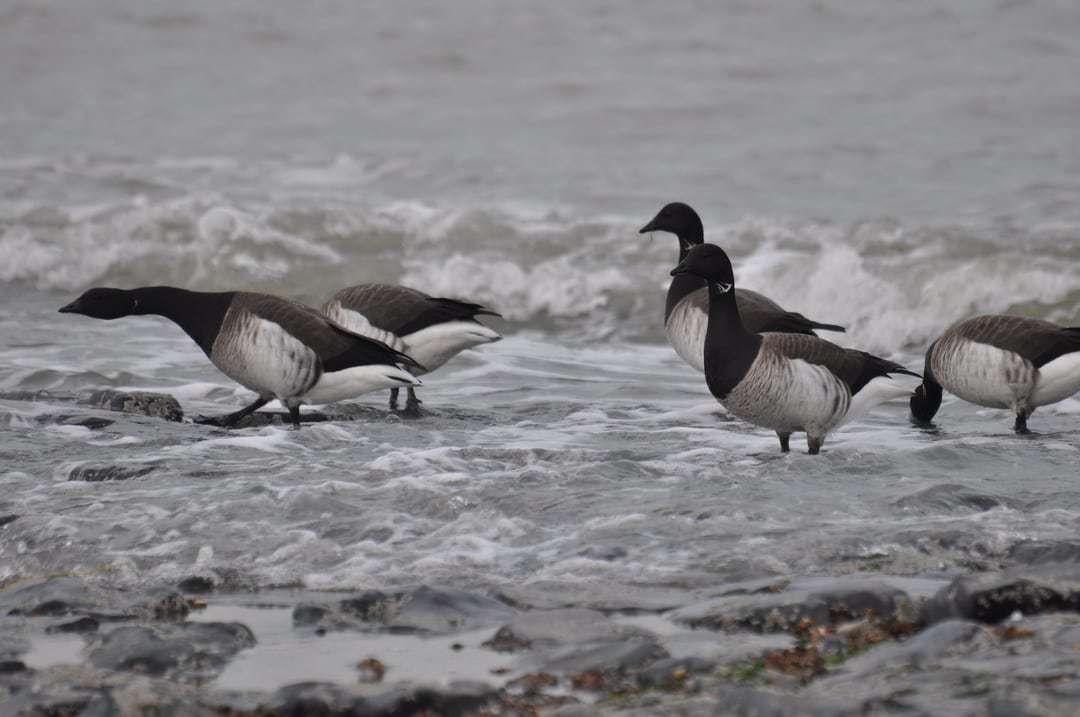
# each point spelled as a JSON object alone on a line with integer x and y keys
{"x": 278, "y": 348}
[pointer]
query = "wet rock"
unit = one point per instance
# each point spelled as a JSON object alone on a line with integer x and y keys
{"x": 422, "y": 609}
{"x": 992, "y": 597}
{"x": 94, "y": 423}
{"x": 1038, "y": 552}
{"x": 50, "y": 597}
{"x": 80, "y": 625}
{"x": 823, "y": 601}
{"x": 952, "y": 498}
{"x": 569, "y": 625}
{"x": 155, "y": 405}
{"x": 733, "y": 700}
{"x": 672, "y": 672}
{"x": 327, "y": 699}
{"x": 962, "y": 667}
{"x": 612, "y": 657}
{"x": 171, "y": 606}
{"x": 196, "y": 584}
{"x": 609, "y": 553}
{"x": 195, "y": 650}
{"x": 609, "y": 597}
{"x": 98, "y": 473}
{"x": 9, "y": 666}
{"x": 5, "y": 519}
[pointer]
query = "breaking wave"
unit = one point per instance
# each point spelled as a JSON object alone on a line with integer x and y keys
{"x": 892, "y": 285}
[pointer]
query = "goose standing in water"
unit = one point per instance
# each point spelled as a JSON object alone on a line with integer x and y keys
{"x": 687, "y": 311}
{"x": 786, "y": 382}
{"x": 272, "y": 346}
{"x": 431, "y": 330}
{"x": 1001, "y": 362}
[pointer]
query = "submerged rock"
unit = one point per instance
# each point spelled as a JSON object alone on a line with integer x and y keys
{"x": 952, "y": 498}
{"x": 822, "y": 601}
{"x": 563, "y": 626}
{"x": 197, "y": 584}
{"x": 194, "y": 650}
{"x": 963, "y": 667}
{"x": 79, "y": 625}
{"x": 1038, "y": 552}
{"x": 52, "y": 597}
{"x": 992, "y": 597}
{"x": 98, "y": 473}
{"x": 155, "y": 405}
{"x": 328, "y": 700}
{"x": 422, "y": 609}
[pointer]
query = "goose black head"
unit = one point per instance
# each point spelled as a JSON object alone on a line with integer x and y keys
{"x": 925, "y": 401}
{"x": 709, "y": 262}
{"x": 679, "y": 219}
{"x": 103, "y": 303}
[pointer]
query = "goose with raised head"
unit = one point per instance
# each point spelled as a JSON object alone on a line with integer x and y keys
{"x": 1000, "y": 361}
{"x": 687, "y": 310}
{"x": 785, "y": 382}
{"x": 430, "y": 329}
{"x": 273, "y": 346}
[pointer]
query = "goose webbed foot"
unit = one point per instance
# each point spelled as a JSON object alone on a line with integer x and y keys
{"x": 231, "y": 419}
{"x": 393, "y": 399}
{"x": 412, "y": 404}
{"x": 814, "y": 444}
{"x": 785, "y": 441}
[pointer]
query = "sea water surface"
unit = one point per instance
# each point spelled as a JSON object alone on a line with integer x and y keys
{"x": 889, "y": 167}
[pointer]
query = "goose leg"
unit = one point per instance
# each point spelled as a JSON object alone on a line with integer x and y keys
{"x": 785, "y": 438}
{"x": 412, "y": 404}
{"x": 393, "y": 399}
{"x": 231, "y": 419}
{"x": 1021, "y": 422}
{"x": 814, "y": 442}
{"x": 294, "y": 416}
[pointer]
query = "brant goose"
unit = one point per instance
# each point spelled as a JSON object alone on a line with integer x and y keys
{"x": 1001, "y": 362}
{"x": 431, "y": 330}
{"x": 687, "y": 312}
{"x": 275, "y": 347}
{"x": 786, "y": 382}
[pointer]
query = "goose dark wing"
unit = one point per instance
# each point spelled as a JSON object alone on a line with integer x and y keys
{"x": 337, "y": 347}
{"x": 855, "y": 368}
{"x": 402, "y": 311}
{"x": 759, "y": 314}
{"x": 1038, "y": 341}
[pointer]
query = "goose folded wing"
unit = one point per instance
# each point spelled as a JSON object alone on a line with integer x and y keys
{"x": 402, "y": 311}
{"x": 337, "y": 347}
{"x": 1038, "y": 341}
{"x": 855, "y": 368}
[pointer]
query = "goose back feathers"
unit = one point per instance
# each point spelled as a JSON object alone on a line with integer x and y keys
{"x": 431, "y": 329}
{"x": 1001, "y": 361}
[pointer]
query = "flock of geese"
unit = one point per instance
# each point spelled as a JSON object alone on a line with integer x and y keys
{"x": 764, "y": 364}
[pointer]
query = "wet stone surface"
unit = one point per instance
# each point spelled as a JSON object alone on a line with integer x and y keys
{"x": 839, "y": 646}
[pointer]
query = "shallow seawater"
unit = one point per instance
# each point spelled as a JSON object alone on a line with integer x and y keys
{"x": 606, "y": 466}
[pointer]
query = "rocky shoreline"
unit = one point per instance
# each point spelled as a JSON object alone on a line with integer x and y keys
{"x": 994, "y": 643}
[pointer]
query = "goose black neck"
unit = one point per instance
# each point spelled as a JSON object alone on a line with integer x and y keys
{"x": 199, "y": 313}
{"x": 690, "y": 236}
{"x": 730, "y": 349}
